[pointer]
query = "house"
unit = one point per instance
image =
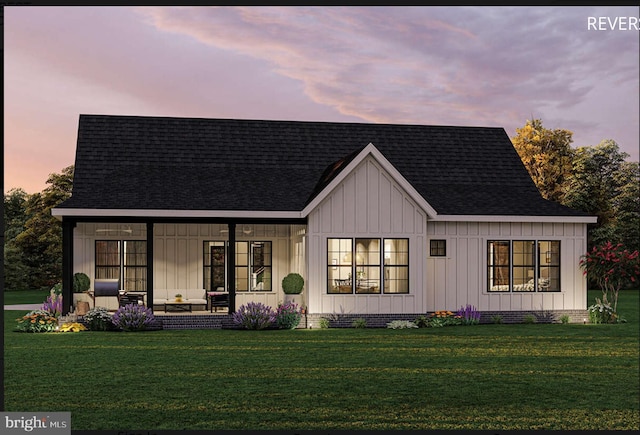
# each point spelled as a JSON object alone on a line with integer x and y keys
{"x": 382, "y": 220}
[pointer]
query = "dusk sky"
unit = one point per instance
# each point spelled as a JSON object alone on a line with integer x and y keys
{"x": 476, "y": 66}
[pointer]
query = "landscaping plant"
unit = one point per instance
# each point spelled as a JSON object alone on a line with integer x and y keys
{"x": 611, "y": 267}
{"x": 359, "y": 323}
{"x": 37, "y": 321}
{"x": 98, "y": 319}
{"x": 53, "y": 304}
{"x": 444, "y": 318}
{"x": 133, "y": 317}
{"x": 468, "y": 315}
{"x": 401, "y": 324}
{"x": 254, "y": 315}
{"x": 72, "y": 327}
{"x": 288, "y": 315}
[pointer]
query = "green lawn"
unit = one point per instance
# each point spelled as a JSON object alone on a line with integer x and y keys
{"x": 494, "y": 377}
{"x": 25, "y": 297}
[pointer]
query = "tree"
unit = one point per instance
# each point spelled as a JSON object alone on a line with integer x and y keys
{"x": 41, "y": 239}
{"x": 547, "y": 155}
{"x": 603, "y": 184}
{"x": 611, "y": 266}
{"x": 15, "y": 217}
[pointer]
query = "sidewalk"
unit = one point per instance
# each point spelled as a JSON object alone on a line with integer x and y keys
{"x": 23, "y": 307}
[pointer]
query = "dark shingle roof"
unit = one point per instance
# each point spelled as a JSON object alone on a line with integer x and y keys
{"x": 133, "y": 162}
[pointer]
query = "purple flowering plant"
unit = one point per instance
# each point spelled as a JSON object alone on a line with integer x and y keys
{"x": 133, "y": 317}
{"x": 468, "y": 315}
{"x": 53, "y": 304}
{"x": 254, "y": 315}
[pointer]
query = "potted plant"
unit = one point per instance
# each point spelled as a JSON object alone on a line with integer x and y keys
{"x": 178, "y": 297}
{"x": 81, "y": 282}
{"x": 292, "y": 284}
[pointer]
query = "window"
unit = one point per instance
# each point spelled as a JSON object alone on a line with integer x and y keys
{"x": 355, "y": 266}
{"x": 438, "y": 248}
{"x": 523, "y": 266}
{"x": 129, "y": 264}
{"x": 396, "y": 266}
{"x": 549, "y": 266}
{"x": 498, "y": 266}
{"x": 135, "y": 265}
{"x": 339, "y": 269}
{"x": 367, "y": 266}
{"x": 253, "y": 266}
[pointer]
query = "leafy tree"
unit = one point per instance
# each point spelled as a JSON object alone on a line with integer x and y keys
{"x": 15, "y": 217}
{"x": 547, "y": 155}
{"x": 611, "y": 266}
{"x": 602, "y": 183}
{"x": 41, "y": 240}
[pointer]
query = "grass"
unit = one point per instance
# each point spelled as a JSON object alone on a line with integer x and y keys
{"x": 492, "y": 377}
{"x": 25, "y": 297}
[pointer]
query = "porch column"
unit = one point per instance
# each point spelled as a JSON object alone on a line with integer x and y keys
{"x": 231, "y": 267}
{"x": 67, "y": 264}
{"x": 150, "y": 265}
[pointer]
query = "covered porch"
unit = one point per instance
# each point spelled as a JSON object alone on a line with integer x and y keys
{"x": 152, "y": 260}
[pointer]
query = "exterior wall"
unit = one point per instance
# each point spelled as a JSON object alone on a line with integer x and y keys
{"x": 178, "y": 254}
{"x": 460, "y": 278}
{"x": 367, "y": 204}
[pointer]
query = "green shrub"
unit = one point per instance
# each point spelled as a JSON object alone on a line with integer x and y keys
{"x": 529, "y": 319}
{"x": 564, "y": 319}
{"x": 421, "y": 321}
{"x": 324, "y": 323}
{"x": 497, "y": 319}
{"x": 99, "y": 319}
{"x": 288, "y": 315}
{"x": 81, "y": 282}
{"x": 602, "y": 312}
{"x": 293, "y": 283}
{"x": 359, "y": 323}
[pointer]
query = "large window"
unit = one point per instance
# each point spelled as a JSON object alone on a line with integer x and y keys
{"x": 123, "y": 260}
{"x": 523, "y": 266}
{"x": 253, "y": 266}
{"x": 356, "y": 266}
{"x": 396, "y": 265}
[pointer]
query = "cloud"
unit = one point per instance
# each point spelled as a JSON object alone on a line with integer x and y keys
{"x": 421, "y": 64}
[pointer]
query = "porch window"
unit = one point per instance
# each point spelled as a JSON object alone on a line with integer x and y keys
{"x": 253, "y": 265}
{"x": 359, "y": 265}
{"x": 107, "y": 259}
{"x": 135, "y": 265}
{"x": 129, "y": 264}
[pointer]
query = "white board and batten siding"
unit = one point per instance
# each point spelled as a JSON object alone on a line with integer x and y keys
{"x": 368, "y": 203}
{"x": 460, "y": 278}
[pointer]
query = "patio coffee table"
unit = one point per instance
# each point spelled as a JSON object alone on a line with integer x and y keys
{"x": 178, "y": 306}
